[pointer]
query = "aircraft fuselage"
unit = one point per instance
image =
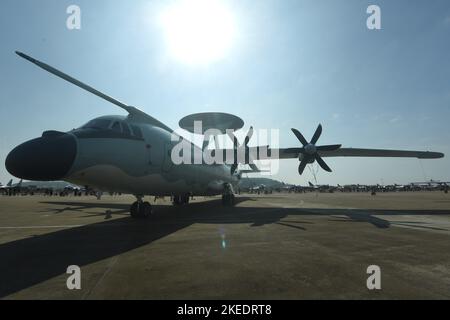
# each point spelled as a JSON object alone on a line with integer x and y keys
{"x": 116, "y": 154}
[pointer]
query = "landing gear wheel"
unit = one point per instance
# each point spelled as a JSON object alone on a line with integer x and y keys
{"x": 179, "y": 200}
{"x": 228, "y": 199}
{"x": 185, "y": 199}
{"x": 134, "y": 210}
{"x": 140, "y": 210}
{"x": 146, "y": 210}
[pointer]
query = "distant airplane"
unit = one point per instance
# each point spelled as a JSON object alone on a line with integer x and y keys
{"x": 431, "y": 185}
{"x": 132, "y": 155}
{"x": 431, "y": 182}
{"x": 8, "y": 185}
{"x": 18, "y": 185}
{"x": 258, "y": 188}
{"x": 321, "y": 187}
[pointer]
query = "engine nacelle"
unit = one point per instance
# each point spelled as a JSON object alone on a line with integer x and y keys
{"x": 309, "y": 159}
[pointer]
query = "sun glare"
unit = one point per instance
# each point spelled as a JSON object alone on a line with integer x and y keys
{"x": 198, "y": 31}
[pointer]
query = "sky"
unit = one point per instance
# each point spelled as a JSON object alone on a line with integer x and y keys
{"x": 289, "y": 64}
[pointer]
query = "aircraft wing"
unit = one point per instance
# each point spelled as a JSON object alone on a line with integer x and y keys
{"x": 356, "y": 152}
{"x": 293, "y": 153}
{"x": 134, "y": 112}
{"x": 283, "y": 153}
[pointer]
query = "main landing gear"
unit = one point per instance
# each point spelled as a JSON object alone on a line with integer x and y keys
{"x": 228, "y": 195}
{"x": 180, "y": 200}
{"x": 140, "y": 209}
{"x": 228, "y": 199}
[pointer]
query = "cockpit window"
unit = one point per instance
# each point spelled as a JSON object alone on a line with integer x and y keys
{"x": 97, "y": 124}
{"x": 116, "y": 127}
{"x": 126, "y": 129}
{"x": 121, "y": 128}
{"x": 137, "y": 131}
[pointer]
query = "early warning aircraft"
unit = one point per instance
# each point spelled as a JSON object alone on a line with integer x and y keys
{"x": 132, "y": 154}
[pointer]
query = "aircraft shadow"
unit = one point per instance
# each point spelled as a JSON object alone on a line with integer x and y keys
{"x": 29, "y": 261}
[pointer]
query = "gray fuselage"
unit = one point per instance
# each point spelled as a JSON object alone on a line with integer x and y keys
{"x": 117, "y": 154}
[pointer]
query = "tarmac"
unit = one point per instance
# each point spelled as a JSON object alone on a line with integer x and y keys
{"x": 277, "y": 246}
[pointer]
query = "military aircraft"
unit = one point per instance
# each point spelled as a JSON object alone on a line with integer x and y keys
{"x": 10, "y": 188}
{"x": 262, "y": 188}
{"x": 321, "y": 187}
{"x": 431, "y": 185}
{"x": 7, "y": 185}
{"x": 132, "y": 154}
{"x": 3, "y": 188}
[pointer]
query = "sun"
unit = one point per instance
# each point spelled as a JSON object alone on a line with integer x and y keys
{"x": 198, "y": 32}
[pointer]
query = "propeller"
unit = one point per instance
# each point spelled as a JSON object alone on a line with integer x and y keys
{"x": 310, "y": 152}
{"x": 236, "y": 146}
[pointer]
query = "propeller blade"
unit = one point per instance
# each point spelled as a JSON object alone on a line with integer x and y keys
{"x": 249, "y": 136}
{"x": 302, "y": 166}
{"x": 330, "y": 147}
{"x": 231, "y": 135}
{"x": 300, "y": 137}
{"x": 235, "y": 143}
{"x": 322, "y": 163}
{"x": 316, "y": 135}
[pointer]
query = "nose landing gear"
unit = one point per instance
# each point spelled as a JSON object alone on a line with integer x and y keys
{"x": 228, "y": 195}
{"x": 179, "y": 200}
{"x": 140, "y": 209}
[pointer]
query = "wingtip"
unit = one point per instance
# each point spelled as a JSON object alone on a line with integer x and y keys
{"x": 437, "y": 155}
{"x": 25, "y": 56}
{"x": 21, "y": 54}
{"x": 431, "y": 155}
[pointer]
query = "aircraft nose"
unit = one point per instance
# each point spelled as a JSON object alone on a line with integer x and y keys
{"x": 49, "y": 157}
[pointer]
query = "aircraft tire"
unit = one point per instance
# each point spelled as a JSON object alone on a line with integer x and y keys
{"x": 228, "y": 199}
{"x": 231, "y": 200}
{"x": 185, "y": 199}
{"x": 141, "y": 211}
{"x": 177, "y": 201}
{"x": 134, "y": 210}
{"x": 146, "y": 210}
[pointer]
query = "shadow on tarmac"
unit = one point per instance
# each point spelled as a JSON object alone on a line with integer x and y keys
{"x": 29, "y": 261}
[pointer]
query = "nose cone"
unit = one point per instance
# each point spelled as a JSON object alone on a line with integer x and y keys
{"x": 47, "y": 158}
